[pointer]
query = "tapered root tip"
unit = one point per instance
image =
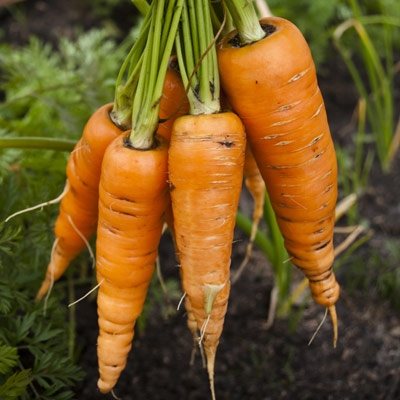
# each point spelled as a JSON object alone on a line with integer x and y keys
{"x": 43, "y": 290}
{"x": 210, "y": 354}
{"x": 332, "y": 313}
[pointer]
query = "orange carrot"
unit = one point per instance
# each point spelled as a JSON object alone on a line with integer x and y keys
{"x": 174, "y": 102}
{"x": 77, "y": 218}
{"x": 133, "y": 197}
{"x": 256, "y": 186}
{"x": 206, "y": 159}
{"x": 273, "y": 87}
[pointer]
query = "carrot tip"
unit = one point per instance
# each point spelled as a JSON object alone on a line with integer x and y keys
{"x": 332, "y": 312}
{"x": 43, "y": 290}
{"x": 210, "y": 354}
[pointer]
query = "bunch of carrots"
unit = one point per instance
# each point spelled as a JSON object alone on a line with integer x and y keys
{"x": 209, "y": 97}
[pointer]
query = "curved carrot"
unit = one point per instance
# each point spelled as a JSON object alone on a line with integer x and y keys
{"x": 272, "y": 85}
{"x": 133, "y": 197}
{"x": 256, "y": 186}
{"x": 77, "y": 217}
{"x": 206, "y": 159}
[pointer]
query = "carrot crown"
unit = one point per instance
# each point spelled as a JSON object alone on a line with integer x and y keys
{"x": 141, "y": 78}
{"x": 245, "y": 19}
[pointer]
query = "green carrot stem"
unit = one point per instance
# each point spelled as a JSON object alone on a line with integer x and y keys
{"x": 193, "y": 26}
{"x": 40, "y": 143}
{"x": 197, "y": 58}
{"x": 187, "y": 81}
{"x": 142, "y": 6}
{"x": 246, "y": 20}
{"x": 127, "y": 79}
{"x": 280, "y": 260}
{"x": 156, "y": 55}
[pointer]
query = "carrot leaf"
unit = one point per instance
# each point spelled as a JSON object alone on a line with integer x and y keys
{"x": 164, "y": 20}
{"x": 195, "y": 45}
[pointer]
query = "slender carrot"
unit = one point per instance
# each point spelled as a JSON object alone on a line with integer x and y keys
{"x": 133, "y": 197}
{"x": 272, "y": 85}
{"x": 205, "y": 171}
{"x": 77, "y": 218}
{"x": 256, "y": 186}
{"x": 205, "y": 194}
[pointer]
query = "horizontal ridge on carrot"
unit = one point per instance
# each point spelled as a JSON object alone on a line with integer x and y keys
{"x": 133, "y": 198}
{"x": 272, "y": 85}
{"x": 133, "y": 203}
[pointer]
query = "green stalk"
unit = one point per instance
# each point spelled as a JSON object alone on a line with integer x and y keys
{"x": 142, "y": 6}
{"x": 40, "y": 143}
{"x": 187, "y": 81}
{"x": 279, "y": 260}
{"x": 185, "y": 54}
{"x": 146, "y": 76}
{"x": 205, "y": 68}
{"x": 194, "y": 32}
{"x": 380, "y": 108}
{"x": 127, "y": 79}
{"x": 189, "y": 47}
{"x": 197, "y": 58}
{"x": 246, "y": 20}
{"x": 145, "y": 106}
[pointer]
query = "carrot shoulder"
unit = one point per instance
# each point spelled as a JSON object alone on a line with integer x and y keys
{"x": 206, "y": 159}
{"x": 272, "y": 85}
{"x": 133, "y": 197}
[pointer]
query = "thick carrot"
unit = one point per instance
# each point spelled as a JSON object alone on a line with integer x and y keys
{"x": 77, "y": 217}
{"x": 256, "y": 186}
{"x": 133, "y": 197}
{"x": 206, "y": 159}
{"x": 272, "y": 85}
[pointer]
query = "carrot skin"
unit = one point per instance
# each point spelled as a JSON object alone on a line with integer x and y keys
{"x": 206, "y": 159}
{"x": 133, "y": 198}
{"x": 272, "y": 86}
{"x": 174, "y": 102}
{"x": 78, "y": 209}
